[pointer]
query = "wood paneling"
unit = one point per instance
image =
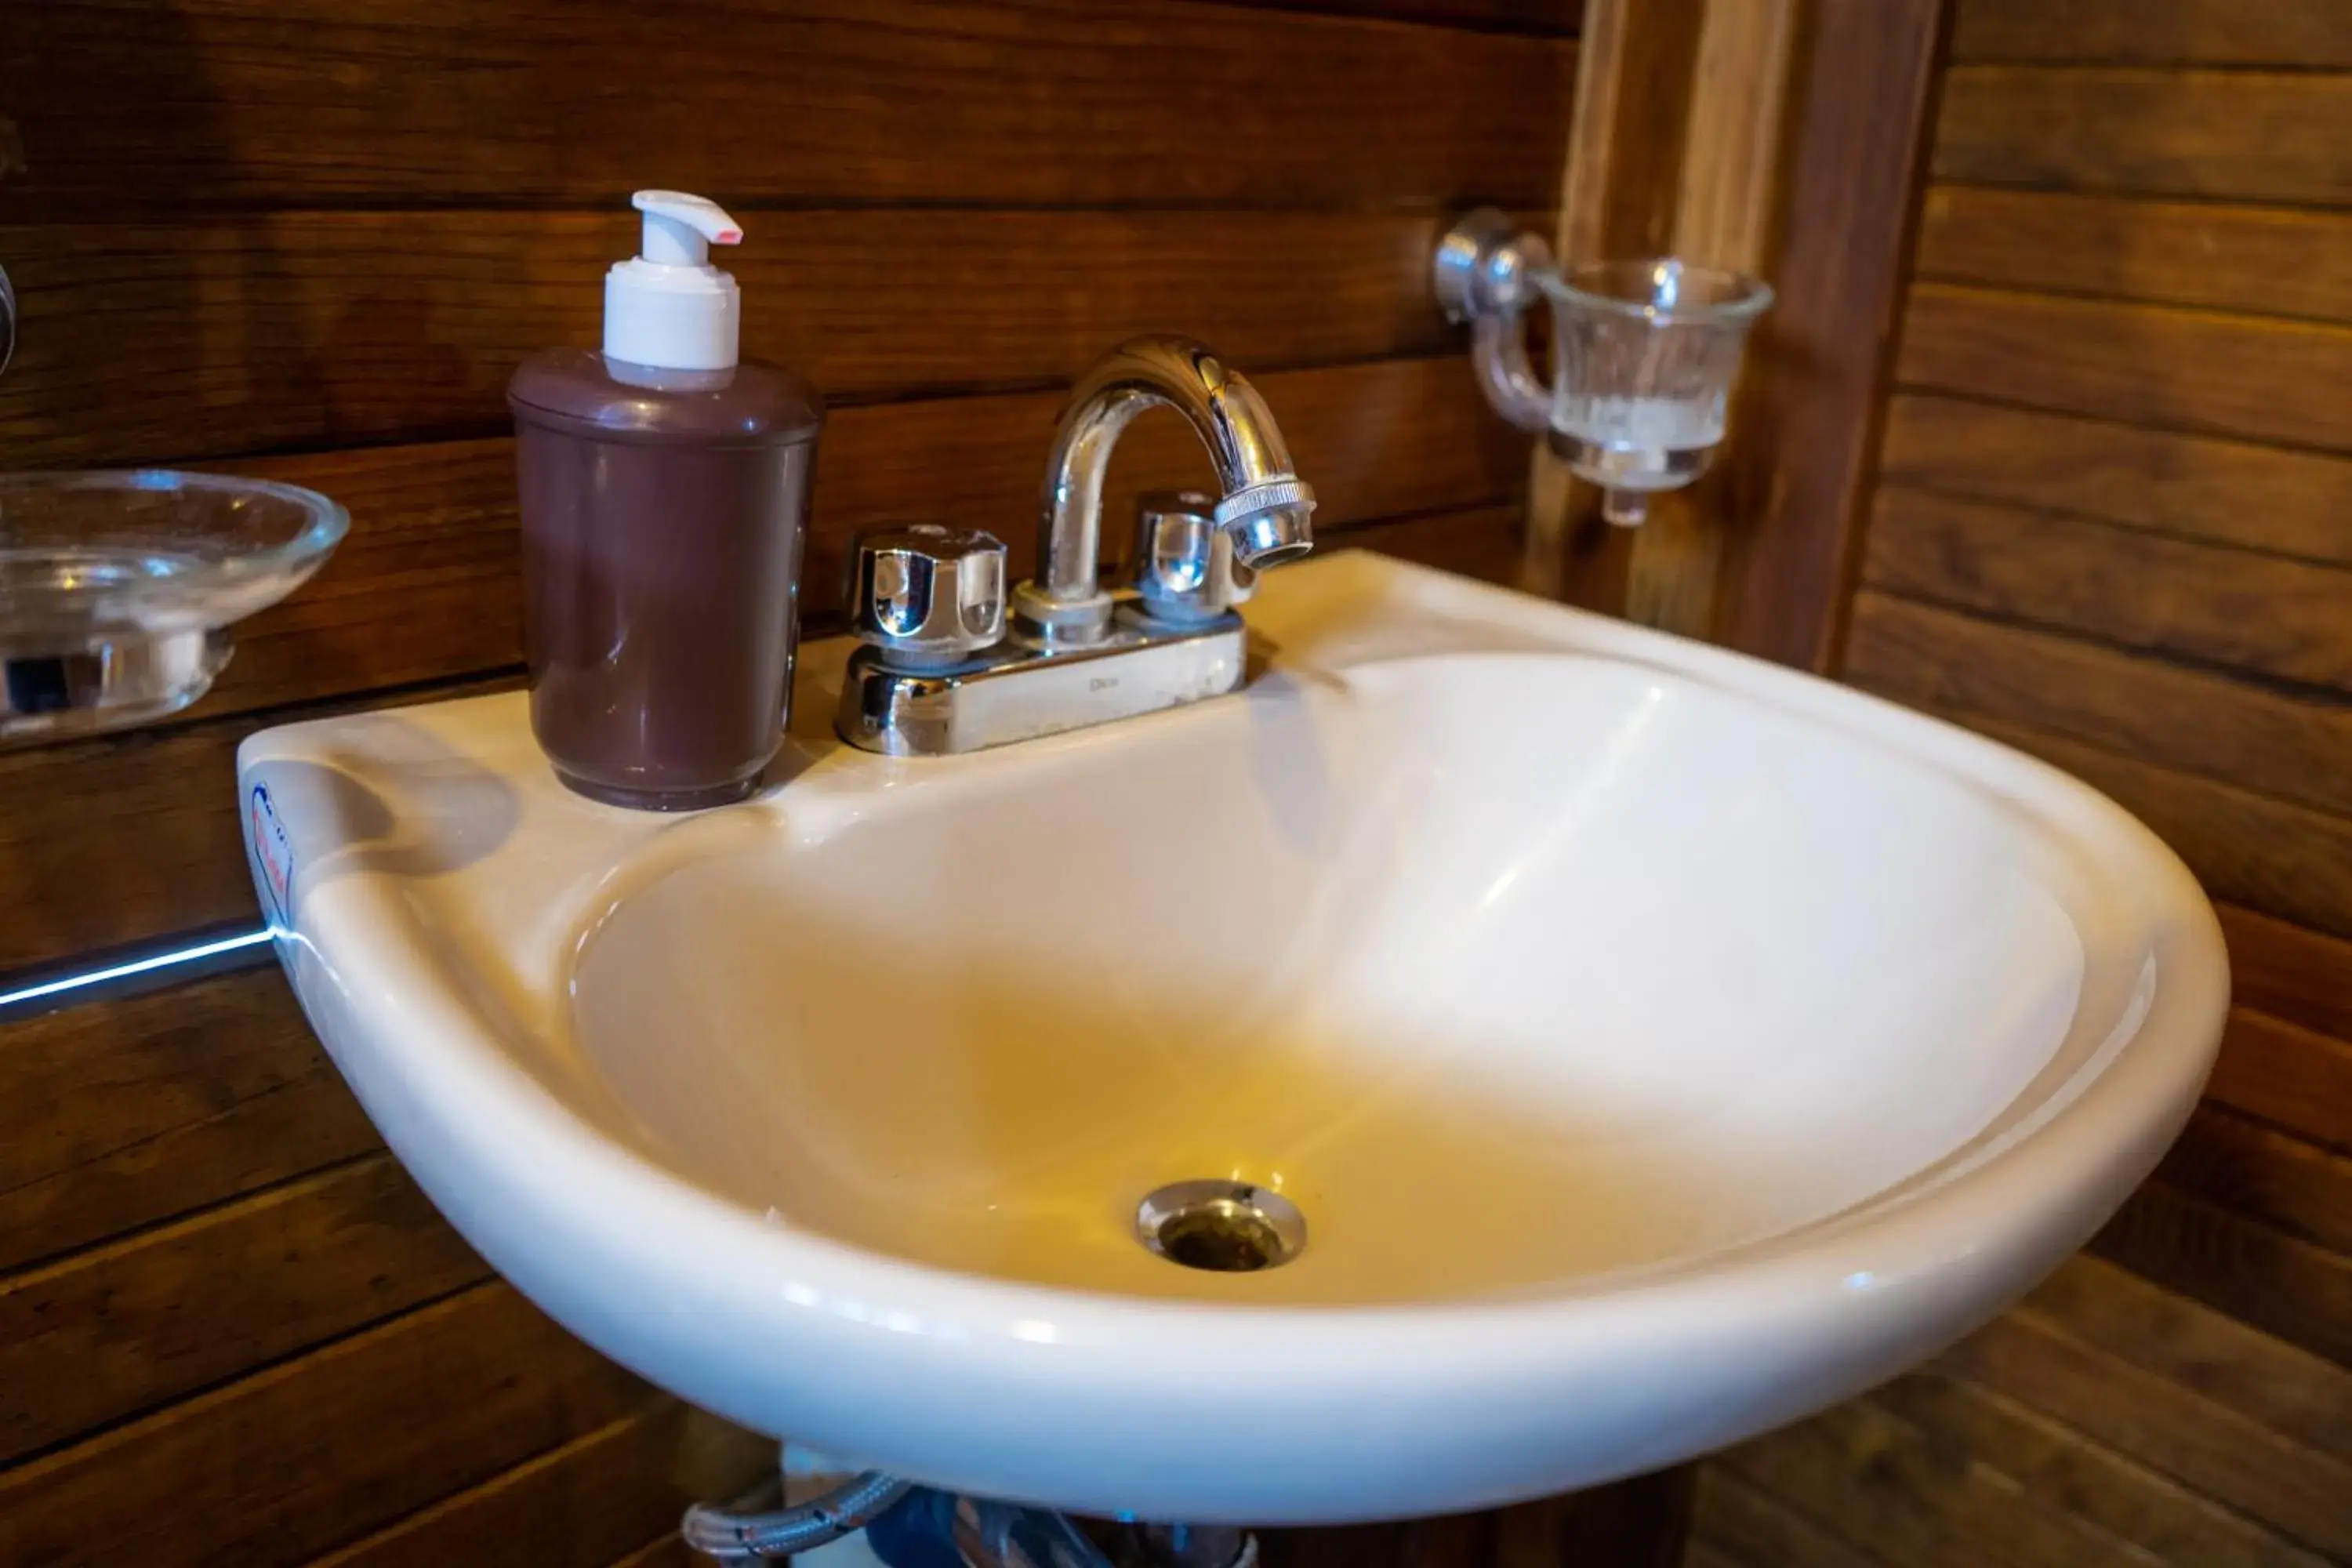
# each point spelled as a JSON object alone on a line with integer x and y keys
{"x": 2298, "y": 33}
{"x": 583, "y": 1505}
{"x": 122, "y": 1329}
{"x": 2222, "y": 492}
{"x": 1820, "y": 364}
{"x": 2293, "y": 747}
{"x": 126, "y": 106}
{"x": 2296, "y": 1077}
{"x": 2112, "y": 527}
{"x": 316, "y": 1452}
{"x": 2252, "y": 377}
{"x": 187, "y": 340}
{"x": 2259, "y": 260}
{"x": 2269, "y": 136}
{"x": 123, "y": 1114}
{"x": 2283, "y": 1285}
{"x": 2259, "y": 613}
{"x": 2204, "y": 1444}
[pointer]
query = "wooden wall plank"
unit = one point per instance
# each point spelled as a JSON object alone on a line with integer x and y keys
{"x": 2299, "y": 1292}
{"x": 2279, "y": 1386}
{"x": 1756, "y": 1528}
{"x": 2296, "y": 1077}
{"x": 2235, "y": 136}
{"x": 2299, "y": 33}
{"x": 2293, "y": 747}
{"x": 2135, "y": 1504}
{"x": 2262, "y": 261}
{"x": 119, "y": 1114}
{"x": 2246, "y": 376}
{"x": 1800, "y": 478}
{"x": 151, "y": 340}
{"x": 1871, "y": 1477}
{"x": 128, "y": 107}
{"x": 2264, "y": 1175}
{"x": 2248, "y": 849}
{"x": 1557, "y": 17}
{"x": 2223, "y": 492}
{"x": 108, "y": 1333}
{"x": 581, "y": 1505}
{"x": 2300, "y": 975}
{"x": 2286, "y": 619}
{"x": 2206, "y": 1446}
{"x": 311, "y": 1454}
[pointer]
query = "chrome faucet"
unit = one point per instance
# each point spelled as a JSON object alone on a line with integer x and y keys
{"x": 942, "y": 670}
{"x": 1263, "y": 515}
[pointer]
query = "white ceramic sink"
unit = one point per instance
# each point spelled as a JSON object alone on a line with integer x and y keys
{"x": 1659, "y": 1046}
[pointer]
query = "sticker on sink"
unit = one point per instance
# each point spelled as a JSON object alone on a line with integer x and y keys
{"x": 273, "y": 855}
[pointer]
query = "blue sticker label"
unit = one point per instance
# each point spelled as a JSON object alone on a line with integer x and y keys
{"x": 273, "y": 858}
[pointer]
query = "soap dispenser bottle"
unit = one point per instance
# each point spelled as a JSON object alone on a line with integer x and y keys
{"x": 665, "y": 487}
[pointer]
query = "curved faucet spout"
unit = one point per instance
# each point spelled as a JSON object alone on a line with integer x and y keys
{"x": 1265, "y": 508}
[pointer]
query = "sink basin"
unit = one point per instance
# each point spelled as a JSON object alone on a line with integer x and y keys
{"x": 1657, "y": 1046}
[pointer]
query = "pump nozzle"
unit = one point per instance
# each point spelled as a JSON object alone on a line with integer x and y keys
{"x": 668, "y": 307}
{"x": 679, "y": 228}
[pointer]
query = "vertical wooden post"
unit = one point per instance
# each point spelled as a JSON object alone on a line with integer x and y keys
{"x": 1776, "y": 136}
{"x": 1634, "y": 68}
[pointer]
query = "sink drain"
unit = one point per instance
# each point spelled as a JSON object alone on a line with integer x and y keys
{"x": 1228, "y": 1228}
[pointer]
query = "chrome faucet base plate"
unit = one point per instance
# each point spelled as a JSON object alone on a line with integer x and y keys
{"x": 1018, "y": 692}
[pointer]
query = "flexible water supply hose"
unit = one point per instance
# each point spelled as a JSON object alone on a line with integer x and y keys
{"x": 746, "y": 1537}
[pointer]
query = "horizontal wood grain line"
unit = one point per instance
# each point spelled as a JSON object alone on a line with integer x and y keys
{"x": 2291, "y": 1076}
{"x": 2206, "y": 1446}
{"x": 2196, "y": 487}
{"x": 2259, "y": 1275}
{"x": 1754, "y": 1526}
{"x": 105, "y": 1334}
{"x": 2283, "y": 620}
{"x": 2295, "y": 748}
{"x": 216, "y": 102}
{"x": 2280, "y": 859}
{"x": 1871, "y": 1476}
{"x": 2250, "y": 377}
{"x": 2279, "y": 1386}
{"x": 124, "y": 1113}
{"x": 2302, "y": 976}
{"x": 2265, "y": 262}
{"x": 171, "y": 856}
{"x": 2301, "y": 33}
{"x": 2241, "y": 135}
{"x": 2063, "y": 1468}
{"x": 2264, "y": 1175}
{"x": 1556, "y": 18}
{"x": 147, "y": 341}
{"x": 318, "y": 1451}
{"x": 583, "y": 1504}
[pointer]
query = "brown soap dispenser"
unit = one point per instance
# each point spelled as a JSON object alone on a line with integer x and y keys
{"x": 665, "y": 490}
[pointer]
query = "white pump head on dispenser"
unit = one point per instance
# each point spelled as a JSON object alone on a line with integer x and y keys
{"x": 668, "y": 306}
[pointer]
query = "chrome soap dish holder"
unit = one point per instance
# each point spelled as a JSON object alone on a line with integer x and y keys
{"x": 1646, "y": 352}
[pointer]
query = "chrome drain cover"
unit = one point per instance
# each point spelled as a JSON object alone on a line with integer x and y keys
{"x": 1226, "y": 1227}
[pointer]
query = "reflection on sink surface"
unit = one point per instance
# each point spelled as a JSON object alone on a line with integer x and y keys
{"x": 1658, "y": 1044}
{"x": 1498, "y": 1006}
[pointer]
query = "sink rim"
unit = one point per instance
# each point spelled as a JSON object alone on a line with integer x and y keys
{"x": 495, "y": 1147}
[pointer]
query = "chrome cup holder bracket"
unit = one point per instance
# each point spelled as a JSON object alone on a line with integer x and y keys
{"x": 1646, "y": 352}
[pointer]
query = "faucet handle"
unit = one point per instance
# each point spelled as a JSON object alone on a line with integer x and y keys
{"x": 926, "y": 595}
{"x": 1185, "y": 565}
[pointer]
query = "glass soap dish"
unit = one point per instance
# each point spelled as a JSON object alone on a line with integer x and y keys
{"x": 116, "y": 588}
